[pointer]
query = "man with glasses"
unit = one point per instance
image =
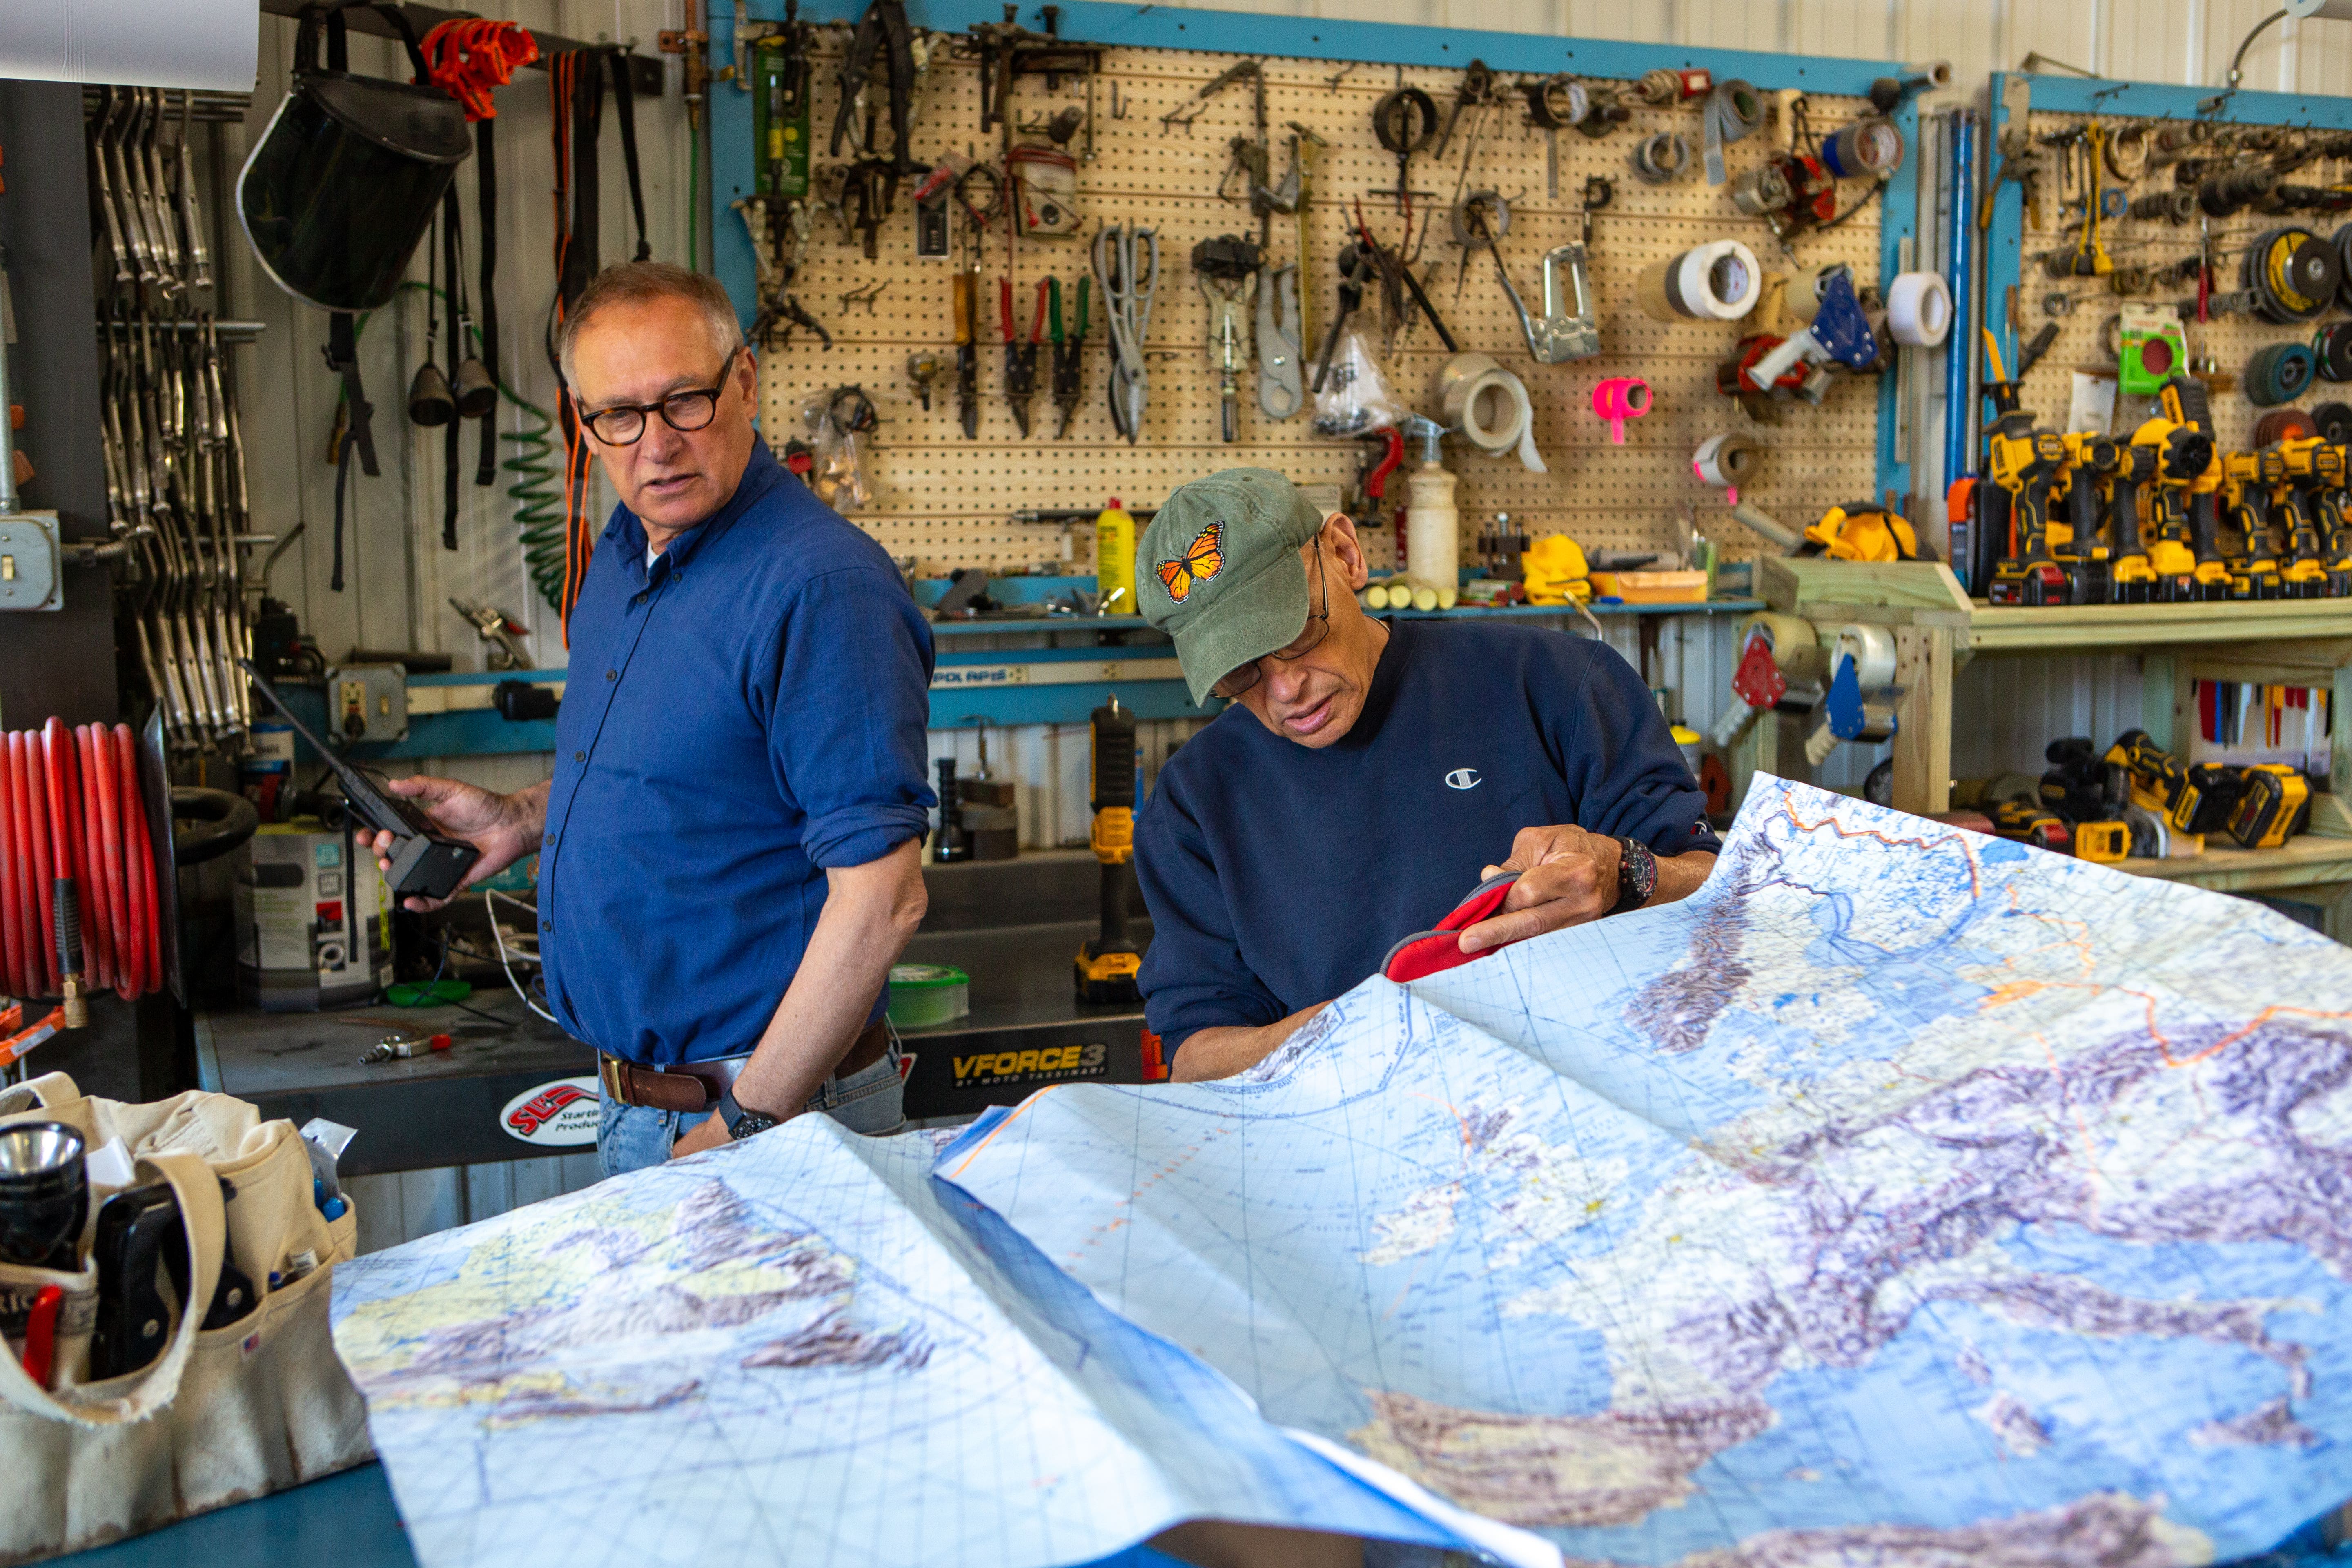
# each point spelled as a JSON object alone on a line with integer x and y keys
{"x": 1368, "y": 774}
{"x": 731, "y": 847}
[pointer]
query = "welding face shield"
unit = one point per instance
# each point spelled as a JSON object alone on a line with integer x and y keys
{"x": 345, "y": 182}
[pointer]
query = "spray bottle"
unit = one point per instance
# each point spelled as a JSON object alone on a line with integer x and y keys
{"x": 1115, "y": 561}
{"x": 1433, "y": 545}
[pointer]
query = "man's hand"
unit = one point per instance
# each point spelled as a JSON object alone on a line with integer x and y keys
{"x": 1228, "y": 1048}
{"x": 708, "y": 1133}
{"x": 504, "y": 827}
{"x": 1568, "y": 877}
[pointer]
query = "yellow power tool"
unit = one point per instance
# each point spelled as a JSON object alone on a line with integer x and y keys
{"x": 2249, "y": 481}
{"x": 1107, "y": 966}
{"x": 2313, "y": 469}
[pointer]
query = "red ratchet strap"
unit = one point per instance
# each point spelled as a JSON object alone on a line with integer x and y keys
{"x": 1428, "y": 953}
{"x": 470, "y": 58}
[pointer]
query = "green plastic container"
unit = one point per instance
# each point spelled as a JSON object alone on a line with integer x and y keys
{"x": 924, "y": 994}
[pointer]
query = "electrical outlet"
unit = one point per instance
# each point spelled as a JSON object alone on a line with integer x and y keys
{"x": 28, "y": 562}
{"x": 367, "y": 702}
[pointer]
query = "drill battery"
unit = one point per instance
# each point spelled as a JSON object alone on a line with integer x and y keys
{"x": 2027, "y": 823}
{"x": 2104, "y": 842}
{"x": 2273, "y": 804}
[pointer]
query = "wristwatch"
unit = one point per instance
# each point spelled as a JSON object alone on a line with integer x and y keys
{"x": 1637, "y": 876}
{"x": 740, "y": 1122}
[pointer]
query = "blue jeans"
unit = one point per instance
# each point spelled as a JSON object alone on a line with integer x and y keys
{"x": 871, "y": 1100}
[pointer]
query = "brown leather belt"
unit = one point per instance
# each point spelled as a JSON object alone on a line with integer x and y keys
{"x": 692, "y": 1087}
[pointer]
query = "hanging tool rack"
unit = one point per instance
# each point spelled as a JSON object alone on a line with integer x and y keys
{"x": 1162, "y": 144}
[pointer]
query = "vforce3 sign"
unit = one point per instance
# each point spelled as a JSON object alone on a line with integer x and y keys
{"x": 561, "y": 1114}
{"x": 1054, "y": 1064}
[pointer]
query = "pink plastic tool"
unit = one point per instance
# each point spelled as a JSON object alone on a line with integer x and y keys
{"x": 1618, "y": 399}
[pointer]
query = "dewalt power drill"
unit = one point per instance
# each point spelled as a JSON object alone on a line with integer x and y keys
{"x": 2248, "y": 481}
{"x": 2133, "y": 578}
{"x": 2181, "y": 455}
{"x": 2185, "y": 403}
{"x": 2335, "y": 524}
{"x": 2087, "y": 554}
{"x": 2028, "y": 464}
{"x": 2312, "y": 467}
{"x": 1107, "y": 966}
{"x": 2157, "y": 781}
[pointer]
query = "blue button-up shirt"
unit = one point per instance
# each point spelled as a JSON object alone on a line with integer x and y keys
{"x": 735, "y": 720}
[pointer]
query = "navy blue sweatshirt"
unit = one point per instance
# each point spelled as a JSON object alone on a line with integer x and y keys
{"x": 1278, "y": 876}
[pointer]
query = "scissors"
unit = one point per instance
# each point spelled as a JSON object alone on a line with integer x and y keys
{"x": 1126, "y": 265}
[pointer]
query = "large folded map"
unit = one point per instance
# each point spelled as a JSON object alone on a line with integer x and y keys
{"x": 1903, "y": 1196}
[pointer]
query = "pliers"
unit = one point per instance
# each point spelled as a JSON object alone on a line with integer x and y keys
{"x": 1020, "y": 358}
{"x": 1069, "y": 353}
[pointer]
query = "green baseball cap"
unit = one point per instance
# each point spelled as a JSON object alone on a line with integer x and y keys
{"x": 1218, "y": 570}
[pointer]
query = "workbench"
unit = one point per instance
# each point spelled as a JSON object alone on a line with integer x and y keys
{"x": 498, "y": 1092}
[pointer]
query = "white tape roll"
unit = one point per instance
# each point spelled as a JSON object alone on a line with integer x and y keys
{"x": 1918, "y": 309}
{"x": 1719, "y": 282}
{"x": 1488, "y": 405}
{"x": 1872, "y": 648}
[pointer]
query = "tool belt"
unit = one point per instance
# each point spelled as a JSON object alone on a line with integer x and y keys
{"x": 691, "y": 1088}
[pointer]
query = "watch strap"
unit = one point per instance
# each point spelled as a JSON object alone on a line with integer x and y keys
{"x": 739, "y": 1121}
{"x": 1637, "y": 875}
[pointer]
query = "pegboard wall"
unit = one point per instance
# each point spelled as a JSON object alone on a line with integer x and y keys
{"x": 2090, "y": 305}
{"x": 945, "y": 502}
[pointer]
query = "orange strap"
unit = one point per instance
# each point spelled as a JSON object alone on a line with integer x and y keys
{"x": 470, "y": 56}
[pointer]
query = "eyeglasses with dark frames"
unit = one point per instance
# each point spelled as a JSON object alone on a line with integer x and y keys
{"x": 623, "y": 424}
{"x": 1318, "y": 626}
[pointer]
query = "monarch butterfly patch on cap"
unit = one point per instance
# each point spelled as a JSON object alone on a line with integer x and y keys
{"x": 1202, "y": 559}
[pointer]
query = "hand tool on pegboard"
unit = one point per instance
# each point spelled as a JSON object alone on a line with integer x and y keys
{"x": 966, "y": 300}
{"x": 1281, "y": 382}
{"x": 1020, "y": 356}
{"x": 1069, "y": 352}
{"x": 1404, "y": 120}
{"x": 1226, "y": 270}
{"x": 1126, "y": 265}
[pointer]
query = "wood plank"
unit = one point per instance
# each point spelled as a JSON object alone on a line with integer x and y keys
{"x": 1788, "y": 581}
{"x": 2310, "y": 861}
{"x": 1923, "y": 737}
{"x": 1999, "y": 629}
{"x": 1884, "y": 614}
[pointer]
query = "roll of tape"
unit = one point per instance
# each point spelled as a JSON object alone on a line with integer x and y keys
{"x": 1872, "y": 648}
{"x": 1734, "y": 111}
{"x": 1918, "y": 309}
{"x": 1726, "y": 461}
{"x": 2128, "y": 151}
{"x": 1796, "y": 648}
{"x": 1871, "y": 146}
{"x": 1487, "y": 403}
{"x": 1717, "y": 281}
{"x": 1659, "y": 159}
{"x": 1802, "y": 298}
{"x": 1618, "y": 399}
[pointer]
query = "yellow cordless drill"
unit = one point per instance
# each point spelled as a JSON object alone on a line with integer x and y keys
{"x": 2181, "y": 453}
{"x": 1107, "y": 966}
{"x": 2092, "y": 464}
{"x": 2185, "y": 403}
{"x": 2133, "y": 579}
{"x": 2314, "y": 469}
{"x": 2249, "y": 481}
{"x": 2029, "y": 464}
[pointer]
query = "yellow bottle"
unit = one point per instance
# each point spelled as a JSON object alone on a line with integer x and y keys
{"x": 1115, "y": 560}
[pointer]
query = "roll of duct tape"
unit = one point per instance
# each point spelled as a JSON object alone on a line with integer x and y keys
{"x": 1659, "y": 159}
{"x": 1802, "y": 297}
{"x": 1727, "y": 462}
{"x": 1872, "y": 648}
{"x": 1487, "y": 403}
{"x": 1717, "y": 281}
{"x": 1870, "y": 147}
{"x": 1918, "y": 309}
{"x": 1796, "y": 646}
{"x": 1734, "y": 111}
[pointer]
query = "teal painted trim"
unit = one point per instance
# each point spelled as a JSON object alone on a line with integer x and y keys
{"x": 1060, "y": 654}
{"x": 930, "y": 591}
{"x": 1067, "y": 705}
{"x": 476, "y": 732}
{"x": 1228, "y": 32}
{"x": 489, "y": 677}
{"x": 2154, "y": 100}
{"x": 1898, "y": 220}
{"x": 2003, "y": 245}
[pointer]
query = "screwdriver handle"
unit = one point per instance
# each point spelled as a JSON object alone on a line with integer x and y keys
{"x": 961, "y": 295}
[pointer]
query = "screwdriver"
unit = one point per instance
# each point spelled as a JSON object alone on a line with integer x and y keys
{"x": 967, "y": 306}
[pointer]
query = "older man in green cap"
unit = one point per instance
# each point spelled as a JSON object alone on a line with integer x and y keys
{"x": 1368, "y": 773}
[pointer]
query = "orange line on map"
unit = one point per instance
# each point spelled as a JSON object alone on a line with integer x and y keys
{"x": 1955, "y": 837}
